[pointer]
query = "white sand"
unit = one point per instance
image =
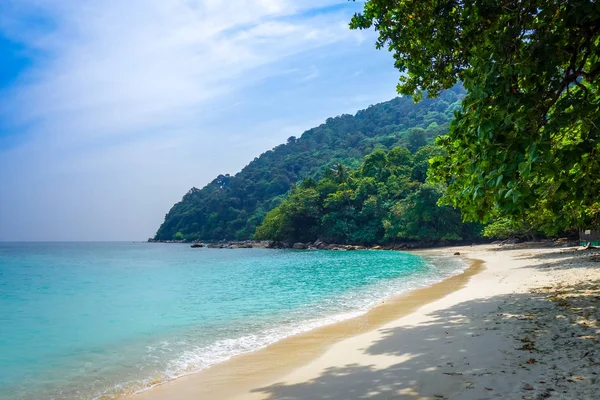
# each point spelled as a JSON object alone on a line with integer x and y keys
{"x": 526, "y": 327}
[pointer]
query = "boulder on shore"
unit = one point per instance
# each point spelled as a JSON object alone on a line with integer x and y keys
{"x": 319, "y": 244}
{"x": 300, "y": 246}
{"x": 196, "y": 245}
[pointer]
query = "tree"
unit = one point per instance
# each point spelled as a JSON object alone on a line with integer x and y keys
{"x": 376, "y": 202}
{"x": 178, "y": 236}
{"x": 417, "y": 138}
{"x": 419, "y": 217}
{"x": 526, "y": 144}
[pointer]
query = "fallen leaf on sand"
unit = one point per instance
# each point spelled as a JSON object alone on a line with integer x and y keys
{"x": 489, "y": 389}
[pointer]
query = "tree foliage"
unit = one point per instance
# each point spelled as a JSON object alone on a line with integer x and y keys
{"x": 231, "y": 207}
{"x": 525, "y": 145}
{"x": 378, "y": 202}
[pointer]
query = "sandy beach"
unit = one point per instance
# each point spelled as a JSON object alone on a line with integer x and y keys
{"x": 522, "y": 322}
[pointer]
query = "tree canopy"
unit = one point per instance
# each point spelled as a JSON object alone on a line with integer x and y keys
{"x": 382, "y": 201}
{"x": 525, "y": 145}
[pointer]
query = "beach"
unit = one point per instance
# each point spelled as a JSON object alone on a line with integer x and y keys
{"x": 520, "y": 323}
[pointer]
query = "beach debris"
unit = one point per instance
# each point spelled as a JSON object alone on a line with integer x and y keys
{"x": 528, "y": 346}
{"x": 487, "y": 388}
{"x": 457, "y": 253}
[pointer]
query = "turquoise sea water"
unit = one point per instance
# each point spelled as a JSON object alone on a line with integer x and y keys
{"x": 84, "y": 320}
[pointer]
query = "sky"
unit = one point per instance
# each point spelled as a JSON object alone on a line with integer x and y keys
{"x": 111, "y": 110}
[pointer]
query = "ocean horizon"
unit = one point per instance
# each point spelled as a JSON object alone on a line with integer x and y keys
{"x": 84, "y": 320}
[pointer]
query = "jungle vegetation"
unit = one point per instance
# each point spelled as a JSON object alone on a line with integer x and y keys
{"x": 231, "y": 207}
{"x": 524, "y": 149}
{"x": 385, "y": 200}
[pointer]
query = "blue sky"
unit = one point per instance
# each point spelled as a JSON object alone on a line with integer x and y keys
{"x": 110, "y": 111}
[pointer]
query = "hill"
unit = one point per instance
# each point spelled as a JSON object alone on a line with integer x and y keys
{"x": 231, "y": 207}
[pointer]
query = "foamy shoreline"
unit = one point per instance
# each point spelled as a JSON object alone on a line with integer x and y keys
{"x": 481, "y": 334}
{"x": 439, "y": 268}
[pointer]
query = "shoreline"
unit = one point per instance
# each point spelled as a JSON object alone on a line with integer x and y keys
{"x": 249, "y": 369}
{"x": 525, "y": 326}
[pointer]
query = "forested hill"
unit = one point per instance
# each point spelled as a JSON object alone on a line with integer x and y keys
{"x": 231, "y": 207}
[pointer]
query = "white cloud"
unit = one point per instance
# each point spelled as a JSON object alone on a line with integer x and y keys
{"x": 123, "y": 101}
{"x": 110, "y": 68}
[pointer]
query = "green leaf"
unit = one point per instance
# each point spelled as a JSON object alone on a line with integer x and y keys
{"x": 499, "y": 180}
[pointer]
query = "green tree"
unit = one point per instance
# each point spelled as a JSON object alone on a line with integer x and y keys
{"x": 418, "y": 217}
{"x": 377, "y": 202}
{"x": 417, "y": 138}
{"x": 526, "y": 143}
{"x": 178, "y": 236}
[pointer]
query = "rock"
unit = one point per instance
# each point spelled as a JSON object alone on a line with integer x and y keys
{"x": 240, "y": 245}
{"x": 319, "y": 244}
{"x": 377, "y": 247}
{"x": 457, "y": 253}
{"x": 300, "y": 246}
{"x": 527, "y": 387}
{"x": 196, "y": 245}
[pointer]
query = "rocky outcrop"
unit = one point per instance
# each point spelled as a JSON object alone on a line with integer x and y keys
{"x": 241, "y": 246}
{"x": 317, "y": 245}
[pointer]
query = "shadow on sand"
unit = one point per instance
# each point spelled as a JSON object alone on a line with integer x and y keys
{"x": 536, "y": 337}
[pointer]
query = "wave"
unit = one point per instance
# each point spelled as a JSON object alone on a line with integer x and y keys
{"x": 346, "y": 306}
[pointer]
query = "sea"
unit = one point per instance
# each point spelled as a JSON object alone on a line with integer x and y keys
{"x": 107, "y": 320}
